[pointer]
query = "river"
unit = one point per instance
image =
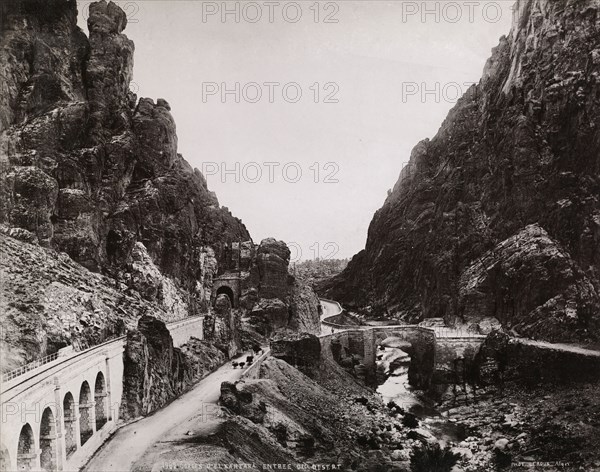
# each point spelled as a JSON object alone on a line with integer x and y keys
{"x": 392, "y": 374}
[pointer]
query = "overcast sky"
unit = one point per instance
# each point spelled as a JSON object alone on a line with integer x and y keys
{"x": 365, "y": 63}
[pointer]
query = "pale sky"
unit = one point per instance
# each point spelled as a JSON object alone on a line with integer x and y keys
{"x": 372, "y": 64}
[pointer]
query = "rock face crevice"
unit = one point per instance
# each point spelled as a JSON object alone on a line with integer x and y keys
{"x": 522, "y": 147}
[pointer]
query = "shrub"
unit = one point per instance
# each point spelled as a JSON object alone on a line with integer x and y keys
{"x": 432, "y": 458}
{"x": 410, "y": 420}
{"x": 501, "y": 460}
{"x": 281, "y": 433}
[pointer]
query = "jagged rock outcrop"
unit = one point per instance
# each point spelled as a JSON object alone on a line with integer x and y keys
{"x": 273, "y": 297}
{"x": 91, "y": 171}
{"x": 241, "y": 403}
{"x": 533, "y": 287}
{"x": 155, "y": 372}
{"x": 271, "y": 268}
{"x": 502, "y": 359}
{"x": 330, "y": 420}
{"x": 522, "y": 147}
{"x": 301, "y": 350}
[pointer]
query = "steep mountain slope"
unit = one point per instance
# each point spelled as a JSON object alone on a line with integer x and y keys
{"x": 89, "y": 170}
{"x": 521, "y": 147}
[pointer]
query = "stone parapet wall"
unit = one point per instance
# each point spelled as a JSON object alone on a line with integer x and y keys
{"x": 253, "y": 372}
{"x": 182, "y": 331}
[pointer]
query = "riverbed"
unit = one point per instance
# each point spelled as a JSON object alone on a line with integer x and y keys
{"x": 392, "y": 374}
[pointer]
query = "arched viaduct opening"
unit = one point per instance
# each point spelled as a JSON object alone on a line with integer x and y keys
{"x": 26, "y": 449}
{"x": 85, "y": 413}
{"x": 70, "y": 418}
{"x": 101, "y": 399}
{"x": 48, "y": 451}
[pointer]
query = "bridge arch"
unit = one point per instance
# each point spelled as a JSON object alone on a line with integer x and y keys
{"x": 26, "y": 455}
{"x": 85, "y": 412}
{"x": 70, "y": 420}
{"x": 48, "y": 449}
{"x": 101, "y": 399}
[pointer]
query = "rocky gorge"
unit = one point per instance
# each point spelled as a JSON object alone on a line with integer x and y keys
{"x": 491, "y": 234}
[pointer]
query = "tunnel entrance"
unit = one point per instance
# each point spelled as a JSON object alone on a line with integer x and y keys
{"x": 225, "y": 290}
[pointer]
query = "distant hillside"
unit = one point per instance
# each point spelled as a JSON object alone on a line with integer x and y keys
{"x": 315, "y": 271}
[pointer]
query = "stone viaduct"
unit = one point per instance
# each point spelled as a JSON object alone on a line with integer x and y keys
{"x": 55, "y": 416}
{"x": 431, "y": 349}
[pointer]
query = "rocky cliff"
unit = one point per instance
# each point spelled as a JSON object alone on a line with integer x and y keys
{"x": 90, "y": 170}
{"x": 522, "y": 147}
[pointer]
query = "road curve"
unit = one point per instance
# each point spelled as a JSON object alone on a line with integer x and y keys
{"x": 330, "y": 308}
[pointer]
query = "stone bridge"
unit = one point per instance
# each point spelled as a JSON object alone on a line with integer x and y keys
{"x": 57, "y": 415}
{"x": 439, "y": 354}
{"x": 431, "y": 349}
